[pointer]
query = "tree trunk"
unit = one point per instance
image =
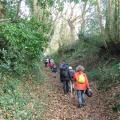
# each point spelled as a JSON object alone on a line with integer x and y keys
{"x": 102, "y": 30}
{"x": 83, "y": 17}
{"x": 36, "y": 9}
{"x": 119, "y": 20}
{"x": 18, "y": 8}
{"x": 72, "y": 31}
{"x": 2, "y": 10}
{"x": 116, "y": 21}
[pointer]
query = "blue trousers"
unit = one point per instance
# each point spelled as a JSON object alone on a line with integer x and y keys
{"x": 81, "y": 97}
{"x": 66, "y": 86}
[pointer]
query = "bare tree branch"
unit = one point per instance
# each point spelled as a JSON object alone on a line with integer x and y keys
{"x": 5, "y": 20}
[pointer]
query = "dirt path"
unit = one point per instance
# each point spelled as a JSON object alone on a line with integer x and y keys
{"x": 61, "y": 107}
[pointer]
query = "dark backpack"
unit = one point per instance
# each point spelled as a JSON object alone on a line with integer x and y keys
{"x": 65, "y": 74}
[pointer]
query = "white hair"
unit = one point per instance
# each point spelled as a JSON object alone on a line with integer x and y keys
{"x": 80, "y": 68}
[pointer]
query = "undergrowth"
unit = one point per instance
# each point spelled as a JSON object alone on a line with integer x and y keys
{"x": 17, "y": 99}
{"x": 102, "y": 68}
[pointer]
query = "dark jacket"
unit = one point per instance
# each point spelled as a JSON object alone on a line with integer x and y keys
{"x": 64, "y": 75}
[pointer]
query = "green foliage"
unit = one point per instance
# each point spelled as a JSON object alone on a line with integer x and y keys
{"x": 16, "y": 100}
{"x": 10, "y": 8}
{"x": 105, "y": 70}
{"x": 106, "y": 76}
{"x": 91, "y": 39}
{"x": 21, "y": 49}
{"x": 57, "y": 58}
{"x": 11, "y": 99}
{"x": 24, "y": 44}
{"x": 37, "y": 73}
{"x": 116, "y": 108}
{"x": 81, "y": 51}
{"x": 44, "y": 3}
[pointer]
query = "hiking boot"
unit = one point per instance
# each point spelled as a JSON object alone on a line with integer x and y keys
{"x": 80, "y": 106}
{"x": 83, "y": 104}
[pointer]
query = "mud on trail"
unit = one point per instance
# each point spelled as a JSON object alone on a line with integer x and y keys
{"x": 64, "y": 107}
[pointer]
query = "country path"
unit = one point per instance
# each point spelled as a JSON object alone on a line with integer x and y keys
{"x": 61, "y": 107}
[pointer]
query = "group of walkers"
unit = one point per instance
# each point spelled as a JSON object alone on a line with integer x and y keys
{"x": 72, "y": 80}
{"x": 51, "y": 64}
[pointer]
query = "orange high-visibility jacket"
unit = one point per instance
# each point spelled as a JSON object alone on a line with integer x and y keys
{"x": 79, "y": 86}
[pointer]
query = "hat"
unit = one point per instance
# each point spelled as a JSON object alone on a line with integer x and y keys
{"x": 80, "y": 68}
{"x": 70, "y": 67}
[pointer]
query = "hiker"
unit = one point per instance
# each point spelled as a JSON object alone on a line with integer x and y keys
{"x": 71, "y": 73}
{"x": 54, "y": 70}
{"x": 61, "y": 67}
{"x": 51, "y": 60}
{"x": 46, "y": 62}
{"x": 51, "y": 63}
{"x": 64, "y": 76}
{"x": 81, "y": 84}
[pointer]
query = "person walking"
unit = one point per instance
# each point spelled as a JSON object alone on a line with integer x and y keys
{"x": 81, "y": 84}
{"x": 62, "y": 66}
{"x": 54, "y": 71}
{"x": 71, "y": 73}
{"x": 51, "y": 63}
{"x": 46, "y": 62}
{"x": 66, "y": 79}
{"x": 64, "y": 76}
